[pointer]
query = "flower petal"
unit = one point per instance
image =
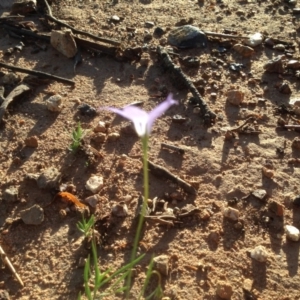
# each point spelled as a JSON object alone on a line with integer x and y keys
{"x": 159, "y": 110}
{"x": 138, "y": 116}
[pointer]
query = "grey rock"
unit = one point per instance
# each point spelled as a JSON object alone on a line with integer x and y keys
{"x": 161, "y": 264}
{"x": 187, "y": 36}
{"x": 87, "y": 110}
{"x": 33, "y": 215}
{"x": 11, "y": 194}
{"x": 49, "y": 178}
{"x": 92, "y": 200}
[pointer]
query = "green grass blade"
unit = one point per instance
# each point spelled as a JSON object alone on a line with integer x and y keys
{"x": 148, "y": 275}
{"x": 123, "y": 269}
{"x": 79, "y": 296}
{"x": 97, "y": 270}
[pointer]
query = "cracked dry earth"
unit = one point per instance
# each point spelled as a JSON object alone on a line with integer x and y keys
{"x": 210, "y": 253}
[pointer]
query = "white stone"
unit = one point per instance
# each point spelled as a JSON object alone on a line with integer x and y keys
{"x": 94, "y": 184}
{"x": 254, "y": 39}
{"x": 54, "y": 103}
{"x": 259, "y": 253}
{"x": 100, "y": 127}
{"x": 292, "y": 233}
{"x": 231, "y": 213}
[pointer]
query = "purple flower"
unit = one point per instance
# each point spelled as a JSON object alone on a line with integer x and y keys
{"x": 142, "y": 120}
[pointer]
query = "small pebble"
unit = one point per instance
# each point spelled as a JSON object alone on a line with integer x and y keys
{"x": 224, "y": 290}
{"x": 296, "y": 143}
{"x": 268, "y": 172}
{"x": 275, "y": 65}
{"x": 81, "y": 262}
{"x": 235, "y": 97}
{"x": 87, "y": 110}
{"x": 292, "y": 233}
{"x": 259, "y": 253}
{"x": 260, "y": 194}
{"x": 196, "y": 110}
{"x": 243, "y": 50}
{"x": 113, "y": 136}
{"x": 11, "y": 194}
{"x": 120, "y": 210}
{"x": 115, "y": 18}
{"x": 145, "y": 59}
{"x": 100, "y": 127}
{"x": 149, "y": 24}
{"x": 161, "y": 264}
{"x": 33, "y": 215}
{"x": 276, "y": 207}
{"x": 231, "y": 213}
{"x": 32, "y": 141}
{"x": 159, "y": 31}
{"x": 94, "y": 184}
{"x": 279, "y": 47}
{"x": 248, "y": 283}
{"x": 254, "y": 40}
{"x": 284, "y": 88}
{"x": 296, "y": 200}
{"x": 49, "y": 178}
{"x": 92, "y": 200}
{"x": 54, "y": 103}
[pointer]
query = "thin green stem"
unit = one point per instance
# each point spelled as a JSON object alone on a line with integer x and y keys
{"x": 145, "y": 140}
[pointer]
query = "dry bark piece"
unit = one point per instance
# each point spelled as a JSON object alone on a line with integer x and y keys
{"x": 20, "y": 90}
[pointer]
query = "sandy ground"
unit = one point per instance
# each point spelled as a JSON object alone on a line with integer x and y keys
{"x": 205, "y": 250}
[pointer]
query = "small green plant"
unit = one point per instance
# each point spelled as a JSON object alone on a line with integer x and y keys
{"x": 86, "y": 226}
{"x": 77, "y": 136}
{"x": 94, "y": 275}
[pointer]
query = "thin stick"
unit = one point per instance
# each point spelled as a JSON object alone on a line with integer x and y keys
{"x": 161, "y": 171}
{"x": 292, "y": 126}
{"x": 230, "y": 36}
{"x": 172, "y": 147}
{"x": 37, "y": 73}
{"x": 74, "y": 30}
{"x": 9, "y": 264}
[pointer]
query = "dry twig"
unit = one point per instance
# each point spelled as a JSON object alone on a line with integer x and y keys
{"x": 9, "y": 264}
{"x": 37, "y": 73}
{"x": 162, "y": 172}
{"x": 181, "y": 79}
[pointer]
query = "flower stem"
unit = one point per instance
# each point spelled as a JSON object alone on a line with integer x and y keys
{"x": 145, "y": 140}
